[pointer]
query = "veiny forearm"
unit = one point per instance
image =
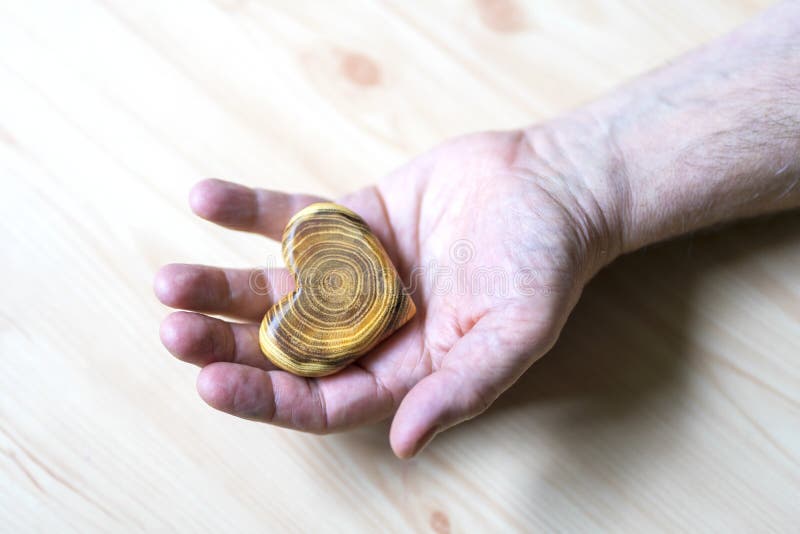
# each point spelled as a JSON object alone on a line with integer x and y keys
{"x": 712, "y": 137}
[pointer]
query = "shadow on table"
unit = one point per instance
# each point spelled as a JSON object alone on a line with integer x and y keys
{"x": 613, "y": 386}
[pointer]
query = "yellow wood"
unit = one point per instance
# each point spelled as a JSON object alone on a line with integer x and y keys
{"x": 670, "y": 402}
{"x": 348, "y": 295}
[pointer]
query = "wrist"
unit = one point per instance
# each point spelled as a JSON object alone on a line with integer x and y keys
{"x": 713, "y": 137}
{"x": 579, "y": 167}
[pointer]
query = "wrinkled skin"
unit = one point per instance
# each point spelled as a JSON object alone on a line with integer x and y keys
{"x": 507, "y": 203}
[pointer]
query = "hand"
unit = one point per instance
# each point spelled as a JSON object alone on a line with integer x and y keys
{"x": 496, "y": 235}
{"x": 522, "y": 220}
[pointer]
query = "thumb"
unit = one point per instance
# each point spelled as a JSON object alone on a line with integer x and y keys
{"x": 479, "y": 367}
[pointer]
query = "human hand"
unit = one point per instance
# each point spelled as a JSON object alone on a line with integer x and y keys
{"x": 496, "y": 234}
{"x": 522, "y": 220}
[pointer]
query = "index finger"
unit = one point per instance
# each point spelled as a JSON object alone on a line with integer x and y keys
{"x": 347, "y": 399}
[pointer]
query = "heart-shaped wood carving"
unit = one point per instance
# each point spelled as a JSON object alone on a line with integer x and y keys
{"x": 348, "y": 295}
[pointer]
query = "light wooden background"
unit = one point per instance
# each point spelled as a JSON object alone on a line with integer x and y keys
{"x": 672, "y": 401}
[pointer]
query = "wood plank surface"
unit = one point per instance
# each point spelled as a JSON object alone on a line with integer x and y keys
{"x": 671, "y": 402}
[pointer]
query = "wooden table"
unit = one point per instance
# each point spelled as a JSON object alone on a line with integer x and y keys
{"x": 671, "y": 402}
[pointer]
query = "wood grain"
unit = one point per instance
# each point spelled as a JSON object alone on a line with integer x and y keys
{"x": 348, "y": 295}
{"x": 670, "y": 403}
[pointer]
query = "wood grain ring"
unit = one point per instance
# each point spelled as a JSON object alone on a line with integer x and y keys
{"x": 348, "y": 295}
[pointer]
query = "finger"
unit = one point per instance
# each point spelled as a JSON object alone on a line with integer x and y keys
{"x": 318, "y": 405}
{"x": 201, "y": 340}
{"x": 239, "y": 293}
{"x": 239, "y": 207}
{"x": 480, "y": 366}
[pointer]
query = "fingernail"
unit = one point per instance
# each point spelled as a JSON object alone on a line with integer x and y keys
{"x": 425, "y": 440}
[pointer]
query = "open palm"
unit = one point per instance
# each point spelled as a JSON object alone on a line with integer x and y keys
{"x": 492, "y": 240}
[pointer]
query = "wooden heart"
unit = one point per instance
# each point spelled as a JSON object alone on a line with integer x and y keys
{"x": 348, "y": 295}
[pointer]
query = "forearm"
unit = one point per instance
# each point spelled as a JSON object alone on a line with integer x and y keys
{"x": 712, "y": 137}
